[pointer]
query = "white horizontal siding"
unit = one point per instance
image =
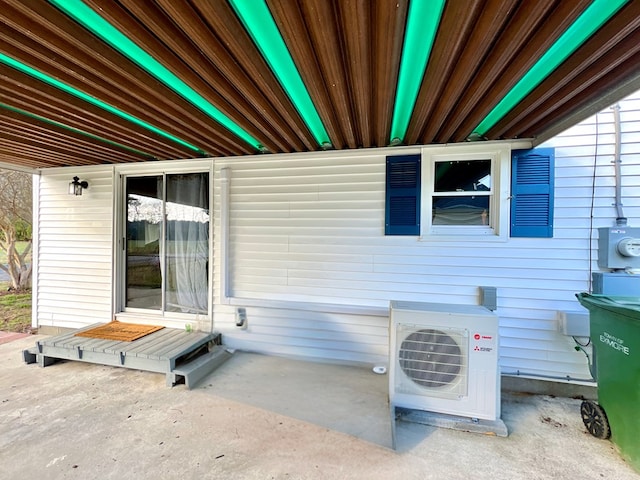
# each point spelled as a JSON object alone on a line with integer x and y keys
{"x": 307, "y": 235}
{"x": 311, "y": 229}
{"x": 74, "y": 275}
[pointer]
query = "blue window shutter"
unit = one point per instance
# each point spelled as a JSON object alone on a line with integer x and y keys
{"x": 402, "y": 202}
{"x": 532, "y": 192}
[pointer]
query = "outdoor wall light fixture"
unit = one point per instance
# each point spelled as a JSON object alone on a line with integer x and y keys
{"x": 76, "y": 186}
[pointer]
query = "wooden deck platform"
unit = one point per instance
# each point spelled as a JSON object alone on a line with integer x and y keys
{"x": 179, "y": 354}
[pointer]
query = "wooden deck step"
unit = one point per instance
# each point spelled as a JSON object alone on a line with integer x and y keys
{"x": 176, "y": 353}
{"x": 195, "y": 370}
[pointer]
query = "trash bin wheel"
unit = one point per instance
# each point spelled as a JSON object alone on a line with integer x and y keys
{"x": 595, "y": 419}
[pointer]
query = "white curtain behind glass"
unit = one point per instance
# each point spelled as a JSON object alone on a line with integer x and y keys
{"x": 187, "y": 242}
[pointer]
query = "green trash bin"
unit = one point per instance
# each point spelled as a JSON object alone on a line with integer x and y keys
{"x": 615, "y": 336}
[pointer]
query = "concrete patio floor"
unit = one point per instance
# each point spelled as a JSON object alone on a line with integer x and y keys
{"x": 260, "y": 417}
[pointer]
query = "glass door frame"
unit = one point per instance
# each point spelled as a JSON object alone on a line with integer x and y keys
{"x": 120, "y": 232}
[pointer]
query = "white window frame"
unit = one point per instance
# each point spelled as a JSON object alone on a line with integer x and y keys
{"x": 500, "y": 156}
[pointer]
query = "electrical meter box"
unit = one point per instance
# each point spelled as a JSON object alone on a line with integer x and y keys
{"x": 619, "y": 247}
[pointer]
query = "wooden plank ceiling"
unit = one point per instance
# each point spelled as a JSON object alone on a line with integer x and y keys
{"x": 347, "y": 53}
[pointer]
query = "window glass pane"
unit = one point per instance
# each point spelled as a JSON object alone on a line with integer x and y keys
{"x": 144, "y": 229}
{"x": 461, "y": 210}
{"x": 187, "y": 243}
{"x": 462, "y": 176}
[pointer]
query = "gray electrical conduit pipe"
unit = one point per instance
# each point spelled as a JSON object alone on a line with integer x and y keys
{"x": 620, "y": 218}
{"x": 568, "y": 378}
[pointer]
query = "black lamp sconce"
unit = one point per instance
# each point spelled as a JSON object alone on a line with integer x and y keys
{"x": 76, "y": 186}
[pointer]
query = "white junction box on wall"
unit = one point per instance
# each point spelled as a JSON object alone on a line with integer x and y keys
{"x": 574, "y": 323}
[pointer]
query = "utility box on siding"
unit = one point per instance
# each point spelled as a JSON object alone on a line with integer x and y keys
{"x": 574, "y": 323}
{"x": 619, "y": 247}
{"x": 620, "y": 284}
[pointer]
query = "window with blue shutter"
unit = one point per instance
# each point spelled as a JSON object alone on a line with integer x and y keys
{"x": 532, "y": 192}
{"x": 402, "y": 205}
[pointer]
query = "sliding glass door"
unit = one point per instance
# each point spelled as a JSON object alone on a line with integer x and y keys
{"x": 167, "y": 243}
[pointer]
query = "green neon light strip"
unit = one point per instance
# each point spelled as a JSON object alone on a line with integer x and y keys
{"x": 599, "y": 12}
{"x": 258, "y": 21}
{"x": 73, "y": 130}
{"x": 92, "y": 100}
{"x": 84, "y": 15}
{"x": 423, "y": 19}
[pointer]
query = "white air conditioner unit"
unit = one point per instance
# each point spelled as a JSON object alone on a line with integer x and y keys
{"x": 444, "y": 359}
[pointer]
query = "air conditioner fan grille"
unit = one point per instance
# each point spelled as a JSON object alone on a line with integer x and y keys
{"x": 431, "y": 358}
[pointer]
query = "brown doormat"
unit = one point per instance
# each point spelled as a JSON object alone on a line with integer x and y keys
{"x": 119, "y": 331}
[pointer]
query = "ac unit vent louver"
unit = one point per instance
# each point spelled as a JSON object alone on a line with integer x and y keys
{"x": 433, "y": 359}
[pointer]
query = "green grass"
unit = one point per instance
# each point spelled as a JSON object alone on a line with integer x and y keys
{"x": 15, "y": 310}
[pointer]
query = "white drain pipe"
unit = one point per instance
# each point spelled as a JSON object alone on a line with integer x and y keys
{"x": 225, "y": 177}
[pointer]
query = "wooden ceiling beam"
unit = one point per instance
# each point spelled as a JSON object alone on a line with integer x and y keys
{"x": 214, "y": 88}
{"x": 487, "y": 26}
{"x": 458, "y": 20}
{"x": 262, "y": 92}
{"x": 290, "y": 19}
{"x": 125, "y": 86}
{"x": 223, "y": 21}
{"x": 32, "y": 96}
{"x": 30, "y": 127}
{"x": 532, "y": 31}
{"x": 131, "y": 102}
{"x": 347, "y": 52}
{"x": 35, "y": 142}
{"x": 389, "y": 20}
{"x": 11, "y": 157}
{"x": 58, "y": 159}
{"x": 356, "y": 30}
{"x": 321, "y": 21}
{"x": 568, "y": 100}
{"x": 609, "y": 47}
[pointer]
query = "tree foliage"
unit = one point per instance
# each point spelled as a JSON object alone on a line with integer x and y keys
{"x": 15, "y": 225}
